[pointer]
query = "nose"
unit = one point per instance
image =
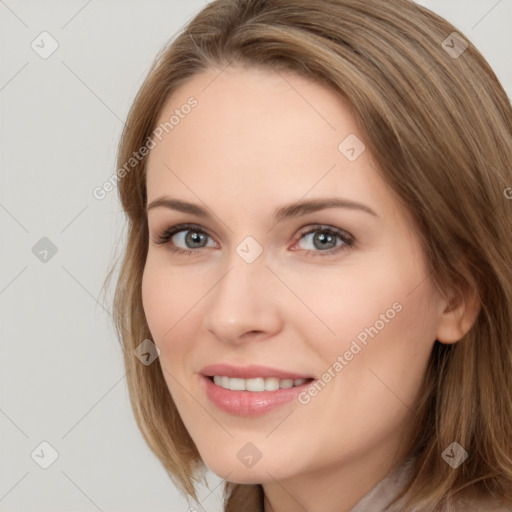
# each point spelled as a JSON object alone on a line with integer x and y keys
{"x": 244, "y": 304}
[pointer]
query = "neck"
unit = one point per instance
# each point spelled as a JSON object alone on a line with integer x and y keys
{"x": 333, "y": 489}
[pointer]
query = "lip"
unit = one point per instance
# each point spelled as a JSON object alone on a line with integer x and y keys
{"x": 250, "y": 372}
{"x": 249, "y": 403}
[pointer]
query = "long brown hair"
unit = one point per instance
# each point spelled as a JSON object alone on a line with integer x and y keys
{"x": 439, "y": 124}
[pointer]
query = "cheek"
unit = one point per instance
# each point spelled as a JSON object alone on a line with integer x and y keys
{"x": 168, "y": 293}
{"x": 383, "y": 359}
{"x": 339, "y": 303}
{"x": 386, "y": 336}
{"x": 155, "y": 300}
{"x": 385, "y": 306}
{"x": 167, "y": 296}
{"x": 172, "y": 301}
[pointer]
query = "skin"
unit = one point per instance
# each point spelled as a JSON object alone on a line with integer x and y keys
{"x": 257, "y": 140}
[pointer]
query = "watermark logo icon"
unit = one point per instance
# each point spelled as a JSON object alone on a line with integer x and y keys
{"x": 44, "y": 250}
{"x": 249, "y": 249}
{"x": 351, "y": 147}
{"x": 146, "y": 352}
{"x": 44, "y": 455}
{"x": 44, "y": 45}
{"x": 454, "y": 45}
{"x": 249, "y": 455}
{"x": 454, "y": 455}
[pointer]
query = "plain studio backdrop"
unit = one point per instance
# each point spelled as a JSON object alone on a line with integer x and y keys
{"x": 69, "y": 72}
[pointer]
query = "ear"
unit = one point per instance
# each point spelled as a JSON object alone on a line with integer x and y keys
{"x": 462, "y": 306}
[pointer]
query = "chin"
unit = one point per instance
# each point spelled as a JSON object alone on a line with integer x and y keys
{"x": 236, "y": 473}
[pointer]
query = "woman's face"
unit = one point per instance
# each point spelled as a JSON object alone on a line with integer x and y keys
{"x": 339, "y": 294}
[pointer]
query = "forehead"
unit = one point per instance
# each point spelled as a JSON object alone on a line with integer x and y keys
{"x": 257, "y": 133}
{"x": 256, "y": 109}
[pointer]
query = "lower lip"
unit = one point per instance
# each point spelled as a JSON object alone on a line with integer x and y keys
{"x": 250, "y": 403}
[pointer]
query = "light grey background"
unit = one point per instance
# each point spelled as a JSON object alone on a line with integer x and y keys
{"x": 62, "y": 377}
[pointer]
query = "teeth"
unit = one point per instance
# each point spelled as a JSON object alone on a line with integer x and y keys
{"x": 257, "y": 384}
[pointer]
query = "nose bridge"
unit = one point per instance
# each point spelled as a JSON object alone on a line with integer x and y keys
{"x": 241, "y": 301}
{"x": 247, "y": 273}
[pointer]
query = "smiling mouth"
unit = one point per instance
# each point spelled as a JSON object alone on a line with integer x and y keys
{"x": 257, "y": 384}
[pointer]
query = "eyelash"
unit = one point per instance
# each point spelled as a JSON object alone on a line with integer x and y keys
{"x": 347, "y": 239}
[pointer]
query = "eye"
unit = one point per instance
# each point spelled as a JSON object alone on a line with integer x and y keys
{"x": 326, "y": 240}
{"x": 320, "y": 240}
{"x": 190, "y": 236}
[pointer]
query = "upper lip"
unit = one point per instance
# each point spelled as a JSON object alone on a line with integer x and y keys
{"x": 249, "y": 372}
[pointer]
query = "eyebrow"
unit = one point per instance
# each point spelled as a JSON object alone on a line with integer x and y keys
{"x": 295, "y": 209}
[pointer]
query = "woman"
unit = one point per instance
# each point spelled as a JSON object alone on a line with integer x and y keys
{"x": 319, "y": 253}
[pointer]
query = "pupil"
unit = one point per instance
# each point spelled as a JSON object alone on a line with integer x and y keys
{"x": 194, "y": 237}
{"x": 322, "y": 237}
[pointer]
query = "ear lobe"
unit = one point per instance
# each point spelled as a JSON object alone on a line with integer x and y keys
{"x": 459, "y": 315}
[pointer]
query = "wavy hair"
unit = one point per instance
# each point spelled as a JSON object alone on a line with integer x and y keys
{"x": 439, "y": 123}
